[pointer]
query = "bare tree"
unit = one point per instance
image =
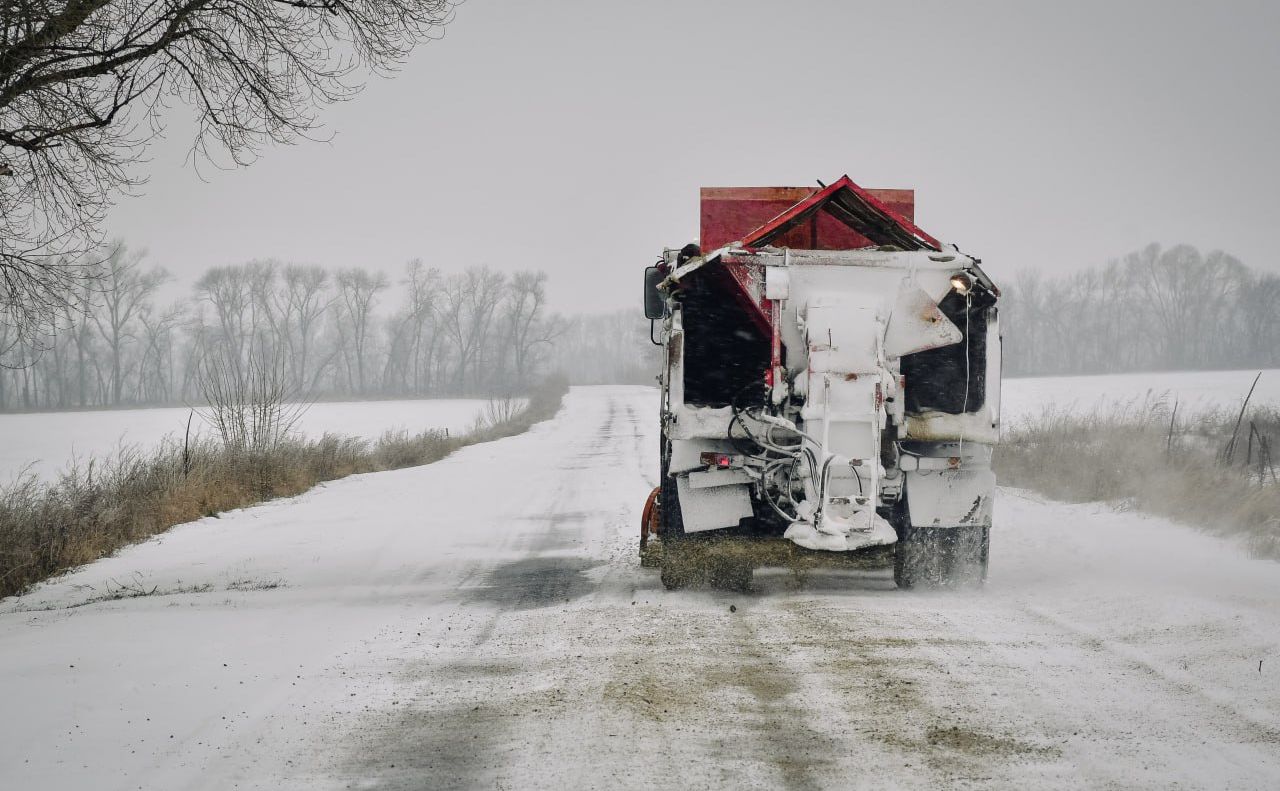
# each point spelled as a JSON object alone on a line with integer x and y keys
{"x": 226, "y": 290}
{"x": 250, "y": 403}
{"x": 82, "y": 84}
{"x": 156, "y": 369}
{"x": 526, "y": 329}
{"x": 470, "y": 299}
{"x": 357, "y": 294}
{"x": 126, "y": 290}
{"x": 306, "y": 298}
{"x": 265, "y": 307}
{"x": 198, "y": 343}
{"x": 78, "y": 327}
{"x": 411, "y": 349}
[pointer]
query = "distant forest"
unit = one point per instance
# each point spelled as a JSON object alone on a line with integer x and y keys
{"x": 345, "y": 333}
{"x": 1154, "y": 309}
{"x": 353, "y": 333}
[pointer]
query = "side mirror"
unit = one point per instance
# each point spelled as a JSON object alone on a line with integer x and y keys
{"x": 655, "y": 304}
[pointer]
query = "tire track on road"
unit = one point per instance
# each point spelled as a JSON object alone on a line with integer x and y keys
{"x": 471, "y": 705}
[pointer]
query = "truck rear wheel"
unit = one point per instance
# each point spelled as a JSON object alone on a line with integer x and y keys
{"x": 941, "y": 557}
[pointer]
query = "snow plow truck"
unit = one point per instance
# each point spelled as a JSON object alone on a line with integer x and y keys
{"x": 830, "y": 392}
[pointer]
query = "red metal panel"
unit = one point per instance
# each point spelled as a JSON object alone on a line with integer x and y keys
{"x": 829, "y": 218}
{"x": 730, "y": 213}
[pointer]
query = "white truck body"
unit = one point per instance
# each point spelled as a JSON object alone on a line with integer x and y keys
{"x": 831, "y": 384}
{"x": 847, "y": 318}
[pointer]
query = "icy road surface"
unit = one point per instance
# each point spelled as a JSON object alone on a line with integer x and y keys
{"x": 483, "y": 623}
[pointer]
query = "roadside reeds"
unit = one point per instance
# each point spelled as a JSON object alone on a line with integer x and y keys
{"x": 1212, "y": 470}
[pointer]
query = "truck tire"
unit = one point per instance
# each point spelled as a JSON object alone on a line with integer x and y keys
{"x": 941, "y": 557}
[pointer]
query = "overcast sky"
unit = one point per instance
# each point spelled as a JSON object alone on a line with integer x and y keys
{"x": 572, "y": 136}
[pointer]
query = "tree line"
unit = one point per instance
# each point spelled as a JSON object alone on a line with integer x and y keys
{"x": 1153, "y": 309}
{"x": 607, "y": 348}
{"x": 327, "y": 333}
{"x": 358, "y": 333}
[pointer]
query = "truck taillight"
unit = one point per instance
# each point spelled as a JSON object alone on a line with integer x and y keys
{"x": 721, "y": 461}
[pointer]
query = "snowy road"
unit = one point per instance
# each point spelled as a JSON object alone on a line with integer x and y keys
{"x": 482, "y": 623}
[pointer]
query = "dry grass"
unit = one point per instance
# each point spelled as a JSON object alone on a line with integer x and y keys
{"x": 94, "y": 510}
{"x": 1141, "y": 456}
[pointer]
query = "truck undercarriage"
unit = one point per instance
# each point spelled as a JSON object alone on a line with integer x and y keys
{"x": 823, "y": 405}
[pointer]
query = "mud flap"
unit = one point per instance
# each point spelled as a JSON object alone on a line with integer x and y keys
{"x": 950, "y": 498}
{"x": 650, "y": 527}
{"x": 713, "y": 507}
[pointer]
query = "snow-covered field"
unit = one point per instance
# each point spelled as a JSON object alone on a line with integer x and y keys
{"x": 47, "y": 442}
{"x": 1195, "y": 391}
{"x": 482, "y": 622}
